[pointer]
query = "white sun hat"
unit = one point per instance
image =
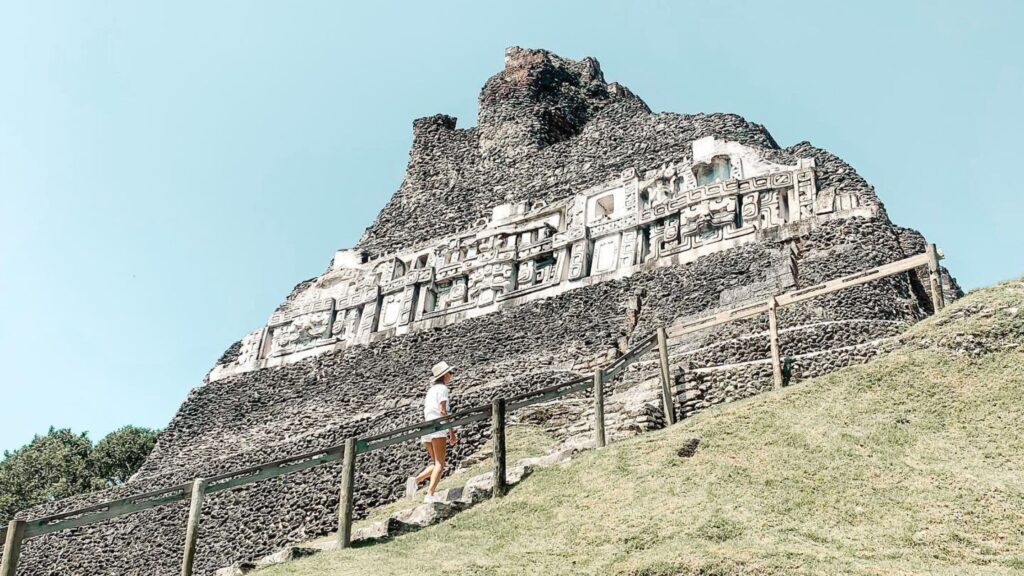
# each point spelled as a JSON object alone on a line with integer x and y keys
{"x": 440, "y": 369}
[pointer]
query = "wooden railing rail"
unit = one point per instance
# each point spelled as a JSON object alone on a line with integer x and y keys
{"x": 105, "y": 511}
{"x": 437, "y": 425}
{"x": 550, "y": 393}
{"x": 195, "y": 491}
{"x": 424, "y": 427}
{"x": 639, "y": 349}
{"x": 273, "y": 469}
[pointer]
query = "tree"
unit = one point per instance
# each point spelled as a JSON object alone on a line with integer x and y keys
{"x": 62, "y": 464}
{"x": 119, "y": 455}
{"x": 49, "y": 468}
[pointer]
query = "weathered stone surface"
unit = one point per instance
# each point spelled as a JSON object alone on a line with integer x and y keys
{"x": 481, "y": 484}
{"x": 348, "y": 352}
{"x": 380, "y": 530}
{"x": 425, "y": 515}
{"x": 237, "y": 570}
{"x": 557, "y": 457}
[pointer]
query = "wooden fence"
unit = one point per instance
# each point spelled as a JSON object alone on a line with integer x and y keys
{"x": 194, "y": 492}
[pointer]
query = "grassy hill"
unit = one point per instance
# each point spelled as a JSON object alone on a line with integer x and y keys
{"x": 911, "y": 464}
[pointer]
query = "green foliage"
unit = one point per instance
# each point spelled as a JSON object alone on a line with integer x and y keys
{"x": 62, "y": 464}
{"x": 116, "y": 457}
{"x": 50, "y": 467}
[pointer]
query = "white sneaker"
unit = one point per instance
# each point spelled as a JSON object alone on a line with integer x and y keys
{"x": 410, "y": 487}
{"x": 430, "y": 498}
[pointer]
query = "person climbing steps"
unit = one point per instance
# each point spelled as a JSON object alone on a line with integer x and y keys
{"x": 435, "y": 405}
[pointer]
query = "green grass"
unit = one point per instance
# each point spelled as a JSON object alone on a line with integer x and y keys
{"x": 911, "y": 464}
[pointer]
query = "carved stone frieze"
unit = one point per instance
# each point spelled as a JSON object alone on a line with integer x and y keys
{"x": 720, "y": 197}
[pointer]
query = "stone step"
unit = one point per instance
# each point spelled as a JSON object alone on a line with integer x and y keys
{"x": 450, "y": 502}
{"x": 412, "y": 519}
{"x": 559, "y": 457}
{"x": 379, "y": 530}
{"x": 286, "y": 554}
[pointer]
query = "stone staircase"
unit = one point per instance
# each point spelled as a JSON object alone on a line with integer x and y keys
{"x": 417, "y": 516}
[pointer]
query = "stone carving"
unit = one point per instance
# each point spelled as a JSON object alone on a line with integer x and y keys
{"x": 605, "y": 254}
{"x": 345, "y": 323}
{"x": 390, "y": 309}
{"x": 770, "y": 213}
{"x": 300, "y": 325}
{"x": 527, "y": 274}
{"x": 367, "y": 321}
{"x": 546, "y": 270}
{"x": 533, "y": 248}
{"x": 670, "y": 234}
{"x": 657, "y": 193}
{"x": 443, "y": 295}
{"x": 295, "y": 310}
{"x": 578, "y": 261}
{"x": 846, "y": 202}
{"x": 749, "y": 212}
{"x": 249, "y": 352}
{"x": 301, "y": 333}
{"x": 627, "y": 252}
{"x": 458, "y": 291}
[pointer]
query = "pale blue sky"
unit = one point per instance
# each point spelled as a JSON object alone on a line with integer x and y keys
{"x": 168, "y": 171}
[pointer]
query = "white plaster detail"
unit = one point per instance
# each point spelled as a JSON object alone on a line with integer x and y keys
{"x": 537, "y": 250}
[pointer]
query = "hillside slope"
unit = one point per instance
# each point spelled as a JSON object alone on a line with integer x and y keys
{"x": 910, "y": 464}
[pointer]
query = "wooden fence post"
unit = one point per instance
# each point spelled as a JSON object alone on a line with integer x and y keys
{"x": 195, "y": 511}
{"x": 934, "y": 278}
{"x": 599, "y": 439}
{"x": 12, "y": 547}
{"x": 773, "y": 335}
{"x": 348, "y": 478}
{"x": 498, "y": 437}
{"x": 667, "y": 400}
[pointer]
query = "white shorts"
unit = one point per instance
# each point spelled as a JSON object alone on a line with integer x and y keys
{"x": 426, "y": 438}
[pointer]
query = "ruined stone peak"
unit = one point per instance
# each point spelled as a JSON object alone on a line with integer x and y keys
{"x": 432, "y": 125}
{"x": 540, "y": 98}
{"x": 524, "y": 61}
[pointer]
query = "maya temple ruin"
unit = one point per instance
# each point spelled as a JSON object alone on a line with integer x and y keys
{"x": 525, "y": 251}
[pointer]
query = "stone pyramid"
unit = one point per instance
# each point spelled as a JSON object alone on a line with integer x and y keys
{"x": 534, "y": 247}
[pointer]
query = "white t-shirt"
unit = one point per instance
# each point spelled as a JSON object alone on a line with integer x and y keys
{"x": 432, "y": 403}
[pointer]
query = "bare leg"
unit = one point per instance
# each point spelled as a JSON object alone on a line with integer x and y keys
{"x": 440, "y": 448}
{"x": 422, "y": 477}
